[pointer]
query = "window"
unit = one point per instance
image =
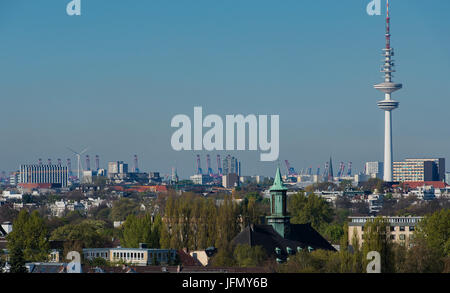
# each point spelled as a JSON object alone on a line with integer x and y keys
{"x": 402, "y": 228}
{"x": 392, "y": 237}
{"x": 392, "y": 228}
{"x": 411, "y": 228}
{"x": 402, "y": 237}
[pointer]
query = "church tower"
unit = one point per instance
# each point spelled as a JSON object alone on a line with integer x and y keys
{"x": 279, "y": 219}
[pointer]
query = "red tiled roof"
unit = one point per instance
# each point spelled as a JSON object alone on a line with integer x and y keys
{"x": 415, "y": 184}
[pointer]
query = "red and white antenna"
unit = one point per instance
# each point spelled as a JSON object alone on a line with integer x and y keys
{"x": 388, "y": 29}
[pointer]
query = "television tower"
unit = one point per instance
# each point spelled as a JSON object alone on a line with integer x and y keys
{"x": 387, "y": 105}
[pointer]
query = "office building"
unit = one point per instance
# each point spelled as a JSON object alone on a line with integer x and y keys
{"x": 411, "y": 170}
{"x": 231, "y": 165}
{"x": 201, "y": 179}
{"x": 374, "y": 169}
{"x": 117, "y": 169}
{"x": 447, "y": 178}
{"x": 50, "y": 174}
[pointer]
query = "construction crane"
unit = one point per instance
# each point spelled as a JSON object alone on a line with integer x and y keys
{"x": 291, "y": 170}
{"x": 88, "y": 163}
{"x": 340, "y": 169}
{"x": 208, "y": 164}
{"x": 199, "y": 168}
{"x": 136, "y": 167}
{"x": 325, "y": 172}
{"x": 97, "y": 162}
{"x": 69, "y": 167}
{"x": 349, "y": 172}
{"x": 219, "y": 165}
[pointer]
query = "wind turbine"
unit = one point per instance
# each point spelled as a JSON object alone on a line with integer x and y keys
{"x": 78, "y": 155}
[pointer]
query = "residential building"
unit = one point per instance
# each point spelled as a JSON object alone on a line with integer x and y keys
{"x": 401, "y": 229}
{"x": 51, "y": 174}
{"x": 419, "y": 170}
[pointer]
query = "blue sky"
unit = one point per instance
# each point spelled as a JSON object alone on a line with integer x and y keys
{"x": 113, "y": 78}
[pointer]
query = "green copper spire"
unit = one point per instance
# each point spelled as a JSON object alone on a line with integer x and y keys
{"x": 278, "y": 183}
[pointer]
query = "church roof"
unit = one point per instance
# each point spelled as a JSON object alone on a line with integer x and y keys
{"x": 278, "y": 182}
{"x": 301, "y": 235}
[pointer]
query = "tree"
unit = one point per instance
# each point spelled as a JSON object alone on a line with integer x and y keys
{"x": 435, "y": 231}
{"x": 310, "y": 209}
{"x": 17, "y": 261}
{"x": 30, "y": 235}
{"x": 227, "y": 223}
{"x": 431, "y": 244}
{"x": 141, "y": 230}
{"x": 122, "y": 208}
{"x": 248, "y": 256}
{"x": 345, "y": 185}
{"x": 377, "y": 238}
{"x": 88, "y": 233}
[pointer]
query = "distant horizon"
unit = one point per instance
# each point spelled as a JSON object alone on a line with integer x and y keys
{"x": 113, "y": 78}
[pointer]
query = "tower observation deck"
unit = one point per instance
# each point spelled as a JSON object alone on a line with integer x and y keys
{"x": 388, "y": 104}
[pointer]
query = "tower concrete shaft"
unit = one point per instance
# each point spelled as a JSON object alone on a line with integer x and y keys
{"x": 387, "y": 105}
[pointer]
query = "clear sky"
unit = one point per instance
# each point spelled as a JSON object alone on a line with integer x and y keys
{"x": 113, "y": 78}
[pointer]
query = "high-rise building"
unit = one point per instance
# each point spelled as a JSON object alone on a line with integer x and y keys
{"x": 53, "y": 174}
{"x": 374, "y": 169}
{"x": 387, "y": 105}
{"x": 231, "y": 165}
{"x": 411, "y": 170}
{"x": 117, "y": 168}
{"x": 447, "y": 177}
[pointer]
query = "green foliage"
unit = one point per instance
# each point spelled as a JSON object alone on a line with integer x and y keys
{"x": 333, "y": 232}
{"x": 434, "y": 230}
{"x": 248, "y": 256}
{"x": 376, "y": 238}
{"x": 87, "y": 234}
{"x": 430, "y": 251}
{"x": 372, "y": 184}
{"x": 310, "y": 209}
{"x": 141, "y": 230}
{"x": 29, "y": 235}
{"x": 345, "y": 185}
{"x": 7, "y": 213}
{"x": 318, "y": 261}
{"x": 122, "y": 208}
{"x": 17, "y": 261}
{"x": 223, "y": 257}
{"x": 99, "y": 262}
